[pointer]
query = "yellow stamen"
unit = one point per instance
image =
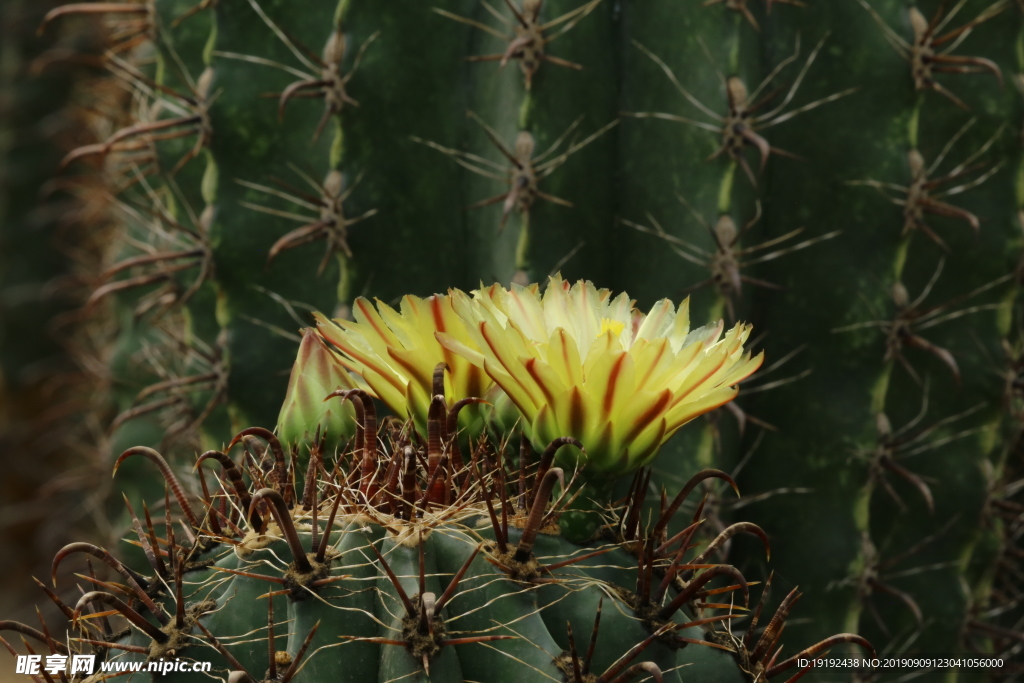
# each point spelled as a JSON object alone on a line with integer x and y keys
{"x": 614, "y": 326}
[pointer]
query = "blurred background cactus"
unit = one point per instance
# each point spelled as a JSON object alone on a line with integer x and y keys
{"x": 54, "y": 97}
{"x": 845, "y": 174}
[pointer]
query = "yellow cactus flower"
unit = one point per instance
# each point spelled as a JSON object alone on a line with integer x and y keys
{"x": 577, "y": 362}
{"x": 394, "y": 354}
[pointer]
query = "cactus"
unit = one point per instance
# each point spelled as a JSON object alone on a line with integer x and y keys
{"x": 42, "y": 79}
{"x": 452, "y": 561}
{"x": 648, "y": 146}
{"x": 372, "y": 592}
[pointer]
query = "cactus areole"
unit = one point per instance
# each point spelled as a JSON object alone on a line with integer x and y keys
{"x": 445, "y": 554}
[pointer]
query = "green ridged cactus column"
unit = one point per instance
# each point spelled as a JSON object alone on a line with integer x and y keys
{"x": 900, "y": 439}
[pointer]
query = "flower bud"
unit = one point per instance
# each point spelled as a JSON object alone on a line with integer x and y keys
{"x": 316, "y": 374}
